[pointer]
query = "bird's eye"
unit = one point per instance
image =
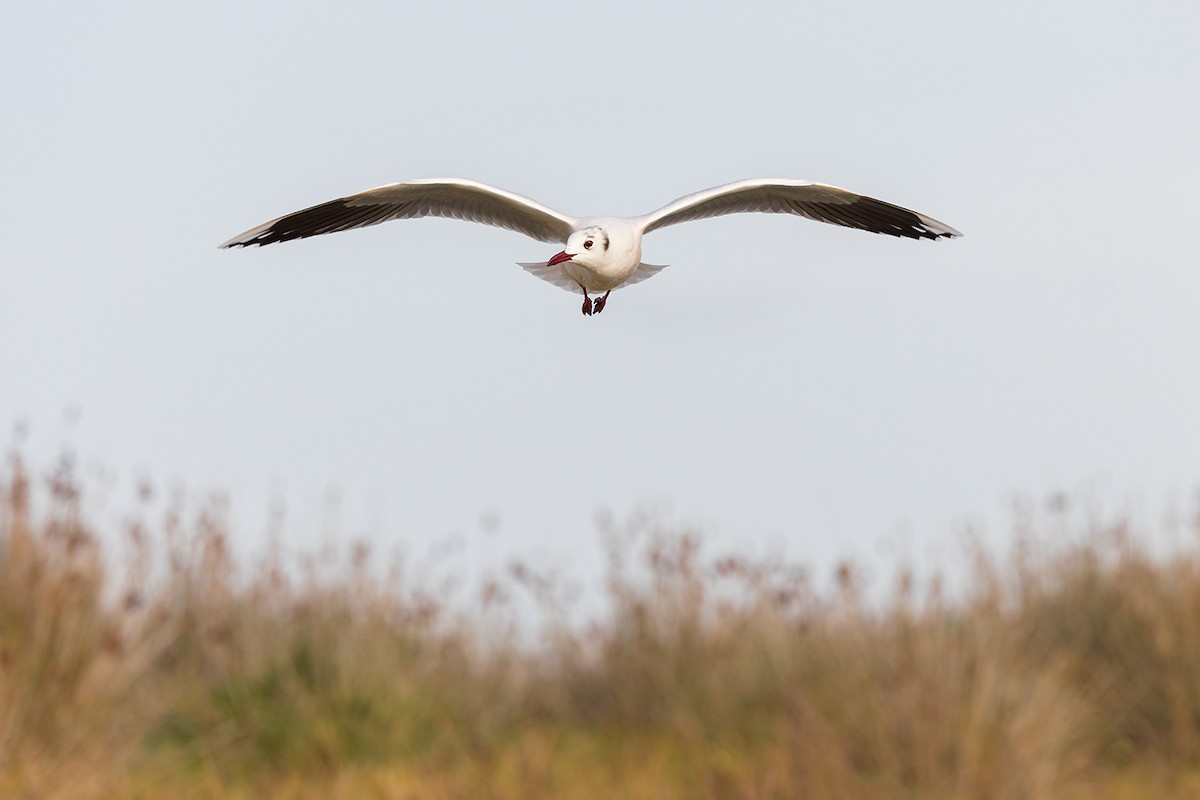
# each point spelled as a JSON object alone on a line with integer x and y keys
{"x": 587, "y": 245}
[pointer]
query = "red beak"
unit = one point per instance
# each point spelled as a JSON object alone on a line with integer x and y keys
{"x": 558, "y": 258}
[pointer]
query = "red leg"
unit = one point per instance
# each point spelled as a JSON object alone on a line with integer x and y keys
{"x": 600, "y": 303}
{"x": 587, "y": 303}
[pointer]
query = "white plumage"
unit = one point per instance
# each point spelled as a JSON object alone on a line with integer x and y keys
{"x": 600, "y": 253}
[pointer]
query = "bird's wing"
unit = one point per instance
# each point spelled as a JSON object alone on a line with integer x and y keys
{"x": 433, "y": 197}
{"x": 813, "y": 200}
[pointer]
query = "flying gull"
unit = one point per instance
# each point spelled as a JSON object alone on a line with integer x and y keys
{"x": 599, "y": 253}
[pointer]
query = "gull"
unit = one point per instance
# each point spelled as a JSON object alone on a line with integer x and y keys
{"x": 599, "y": 253}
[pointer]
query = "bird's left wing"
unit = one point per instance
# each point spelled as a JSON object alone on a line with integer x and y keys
{"x": 815, "y": 201}
{"x": 456, "y": 198}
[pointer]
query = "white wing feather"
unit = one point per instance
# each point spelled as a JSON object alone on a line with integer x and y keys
{"x": 455, "y": 198}
{"x": 816, "y": 201}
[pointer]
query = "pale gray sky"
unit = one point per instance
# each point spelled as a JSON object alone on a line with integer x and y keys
{"x": 783, "y": 384}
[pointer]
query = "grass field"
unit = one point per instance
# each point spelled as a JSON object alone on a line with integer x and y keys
{"x": 160, "y": 667}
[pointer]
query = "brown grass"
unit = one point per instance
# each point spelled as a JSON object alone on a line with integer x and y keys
{"x": 160, "y": 667}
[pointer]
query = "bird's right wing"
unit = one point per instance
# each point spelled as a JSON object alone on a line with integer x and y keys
{"x": 455, "y": 198}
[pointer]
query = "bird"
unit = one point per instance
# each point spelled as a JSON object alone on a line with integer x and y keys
{"x": 599, "y": 254}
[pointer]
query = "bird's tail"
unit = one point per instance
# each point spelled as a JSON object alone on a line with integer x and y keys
{"x": 555, "y": 274}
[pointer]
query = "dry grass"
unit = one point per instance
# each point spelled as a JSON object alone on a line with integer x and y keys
{"x": 1072, "y": 670}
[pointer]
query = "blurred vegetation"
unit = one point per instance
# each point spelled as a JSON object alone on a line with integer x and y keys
{"x": 161, "y": 667}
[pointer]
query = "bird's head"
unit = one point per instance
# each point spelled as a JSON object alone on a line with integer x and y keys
{"x": 588, "y": 247}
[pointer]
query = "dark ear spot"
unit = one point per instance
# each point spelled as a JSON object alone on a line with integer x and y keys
{"x": 604, "y": 240}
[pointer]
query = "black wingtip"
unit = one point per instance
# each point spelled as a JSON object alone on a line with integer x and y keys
{"x": 336, "y": 215}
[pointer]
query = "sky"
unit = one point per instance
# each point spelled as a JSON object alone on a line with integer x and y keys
{"x": 784, "y": 386}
